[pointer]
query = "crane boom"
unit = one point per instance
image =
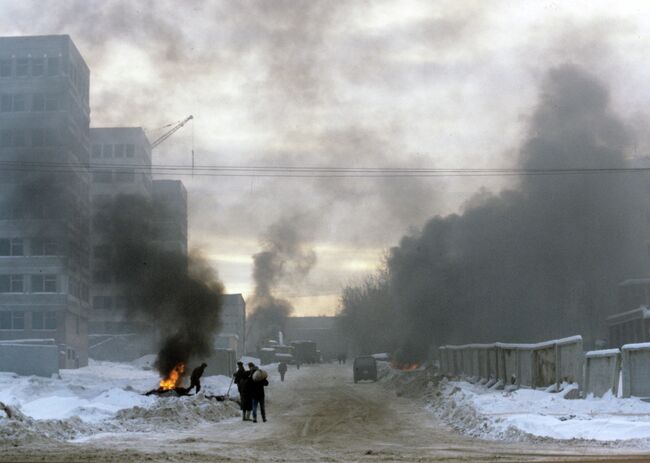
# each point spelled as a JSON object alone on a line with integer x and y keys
{"x": 169, "y": 133}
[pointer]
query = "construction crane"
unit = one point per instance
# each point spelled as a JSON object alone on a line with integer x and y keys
{"x": 171, "y": 132}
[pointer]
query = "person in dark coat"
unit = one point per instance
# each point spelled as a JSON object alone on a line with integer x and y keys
{"x": 238, "y": 378}
{"x": 257, "y": 394}
{"x": 245, "y": 394}
{"x": 195, "y": 377}
{"x": 282, "y": 369}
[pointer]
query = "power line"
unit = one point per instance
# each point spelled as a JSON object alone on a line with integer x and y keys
{"x": 302, "y": 171}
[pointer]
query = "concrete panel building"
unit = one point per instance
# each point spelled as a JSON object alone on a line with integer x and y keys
{"x": 171, "y": 200}
{"x": 233, "y": 324}
{"x": 121, "y": 165}
{"x": 322, "y": 330}
{"x": 44, "y": 194}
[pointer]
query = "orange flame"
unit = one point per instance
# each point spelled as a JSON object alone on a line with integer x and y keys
{"x": 174, "y": 377}
{"x": 405, "y": 366}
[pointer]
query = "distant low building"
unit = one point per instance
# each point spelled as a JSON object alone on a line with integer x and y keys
{"x": 632, "y": 323}
{"x": 322, "y": 330}
{"x": 233, "y": 323}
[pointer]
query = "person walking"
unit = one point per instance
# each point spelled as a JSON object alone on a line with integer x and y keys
{"x": 282, "y": 369}
{"x": 195, "y": 377}
{"x": 257, "y": 393}
{"x": 238, "y": 378}
{"x": 245, "y": 396}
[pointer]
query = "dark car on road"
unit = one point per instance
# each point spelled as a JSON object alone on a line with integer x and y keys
{"x": 365, "y": 368}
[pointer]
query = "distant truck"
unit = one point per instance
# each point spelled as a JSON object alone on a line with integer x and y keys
{"x": 305, "y": 352}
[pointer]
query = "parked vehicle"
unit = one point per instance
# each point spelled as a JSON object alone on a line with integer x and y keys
{"x": 365, "y": 368}
{"x": 305, "y": 352}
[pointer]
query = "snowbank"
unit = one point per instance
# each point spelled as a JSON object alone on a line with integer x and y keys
{"x": 523, "y": 413}
{"x": 103, "y": 396}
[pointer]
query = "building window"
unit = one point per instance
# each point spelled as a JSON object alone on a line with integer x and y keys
{"x": 22, "y": 67}
{"x": 119, "y": 151}
{"x": 97, "y": 151}
{"x": 130, "y": 151}
{"x": 44, "y": 320}
{"x": 124, "y": 176}
{"x": 44, "y": 247}
{"x": 101, "y": 276}
{"x": 5, "y": 68}
{"x": 5, "y": 138}
{"x": 38, "y": 67}
{"x": 51, "y": 102}
{"x": 11, "y": 284}
{"x": 102, "y": 252}
{"x": 17, "y": 248}
{"x": 121, "y": 302}
{"x": 107, "y": 151}
{"x": 50, "y": 137}
{"x": 5, "y": 247}
{"x": 37, "y": 137}
{"x": 19, "y": 103}
{"x": 44, "y": 284}
{"x": 53, "y": 66}
{"x": 19, "y": 138}
{"x": 14, "y": 320}
{"x": 6, "y": 103}
{"x": 38, "y": 102}
{"x": 102, "y": 303}
{"x": 103, "y": 177}
{"x": 16, "y": 283}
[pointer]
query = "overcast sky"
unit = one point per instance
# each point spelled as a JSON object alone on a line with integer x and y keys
{"x": 334, "y": 83}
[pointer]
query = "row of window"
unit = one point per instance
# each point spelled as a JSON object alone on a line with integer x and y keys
{"x": 30, "y": 102}
{"x": 47, "y": 283}
{"x": 37, "y": 247}
{"x": 34, "y": 67}
{"x": 36, "y": 137}
{"x": 119, "y": 151}
{"x": 15, "y": 320}
{"x": 109, "y": 302}
{"x": 118, "y": 176}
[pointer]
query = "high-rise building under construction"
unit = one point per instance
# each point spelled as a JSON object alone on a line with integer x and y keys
{"x": 44, "y": 194}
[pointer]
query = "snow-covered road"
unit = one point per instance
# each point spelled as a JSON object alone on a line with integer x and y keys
{"x": 318, "y": 414}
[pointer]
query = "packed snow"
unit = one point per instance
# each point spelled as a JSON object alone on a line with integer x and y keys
{"x": 104, "y": 396}
{"x": 490, "y": 413}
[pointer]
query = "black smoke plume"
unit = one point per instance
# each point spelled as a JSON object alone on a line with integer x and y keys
{"x": 539, "y": 261}
{"x": 285, "y": 258}
{"x": 178, "y": 295}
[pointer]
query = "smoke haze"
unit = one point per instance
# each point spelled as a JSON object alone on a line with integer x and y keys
{"x": 286, "y": 257}
{"x": 542, "y": 260}
{"x": 178, "y": 295}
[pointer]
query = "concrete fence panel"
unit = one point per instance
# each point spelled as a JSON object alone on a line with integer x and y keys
{"x": 602, "y": 368}
{"x": 570, "y": 359}
{"x": 544, "y": 363}
{"x": 443, "y": 364}
{"x": 636, "y": 370}
{"x": 529, "y": 365}
{"x": 23, "y": 358}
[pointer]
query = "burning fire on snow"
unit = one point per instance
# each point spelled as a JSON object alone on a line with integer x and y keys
{"x": 405, "y": 366}
{"x": 173, "y": 379}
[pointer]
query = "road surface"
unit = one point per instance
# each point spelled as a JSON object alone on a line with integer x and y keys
{"x": 318, "y": 414}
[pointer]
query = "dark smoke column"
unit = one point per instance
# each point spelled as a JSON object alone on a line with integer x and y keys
{"x": 179, "y": 295}
{"x": 285, "y": 258}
